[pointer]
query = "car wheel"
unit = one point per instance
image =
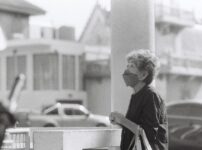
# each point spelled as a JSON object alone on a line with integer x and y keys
{"x": 49, "y": 125}
{"x": 101, "y": 125}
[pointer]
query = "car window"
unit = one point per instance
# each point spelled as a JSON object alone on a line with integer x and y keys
{"x": 71, "y": 111}
{"x": 68, "y": 111}
{"x": 78, "y": 112}
{"x": 53, "y": 112}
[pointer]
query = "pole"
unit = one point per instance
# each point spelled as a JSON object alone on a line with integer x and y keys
{"x": 132, "y": 24}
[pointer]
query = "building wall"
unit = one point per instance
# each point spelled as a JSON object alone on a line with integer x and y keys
{"x": 165, "y": 43}
{"x": 161, "y": 85}
{"x": 42, "y": 32}
{"x": 100, "y": 35}
{"x": 36, "y": 100}
{"x": 179, "y": 50}
{"x": 99, "y": 95}
{"x": 183, "y": 88}
{"x": 191, "y": 42}
{"x": 66, "y": 74}
{"x": 12, "y": 23}
{"x": 98, "y": 30}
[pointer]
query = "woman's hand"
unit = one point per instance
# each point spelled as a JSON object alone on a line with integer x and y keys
{"x": 116, "y": 118}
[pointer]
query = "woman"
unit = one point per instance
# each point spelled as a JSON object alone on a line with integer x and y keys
{"x": 146, "y": 108}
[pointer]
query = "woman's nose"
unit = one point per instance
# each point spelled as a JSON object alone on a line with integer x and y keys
{"x": 126, "y": 71}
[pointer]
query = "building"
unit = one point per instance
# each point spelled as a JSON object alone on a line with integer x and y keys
{"x": 177, "y": 45}
{"x": 97, "y": 29}
{"x": 53, "y": 71}
{"x": 50, "y": 59}
{"x": 14, "y": 17}
{"x": 180, "y": 77}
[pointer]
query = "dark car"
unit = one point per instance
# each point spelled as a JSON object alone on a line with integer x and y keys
{"x": 185, "y": 125}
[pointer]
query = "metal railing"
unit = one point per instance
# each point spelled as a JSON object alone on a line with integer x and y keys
{"x": 162, "y": 10}
{"x": 62, "y": 138}
{"x": 16, "y": 139}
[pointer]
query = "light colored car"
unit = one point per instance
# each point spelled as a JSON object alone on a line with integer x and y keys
{"x": 65, "y": 115}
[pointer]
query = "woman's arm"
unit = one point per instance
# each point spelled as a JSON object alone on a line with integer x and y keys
{"x": 119, "y": 119}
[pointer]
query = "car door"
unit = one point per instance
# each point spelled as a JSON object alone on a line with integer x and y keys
{"x": 74, "y": 117}
{"x": 54, "y": 116}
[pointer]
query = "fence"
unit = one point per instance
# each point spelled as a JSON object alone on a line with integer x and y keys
{"x": 16, "y": 139}
{"x": 62, "y": 139}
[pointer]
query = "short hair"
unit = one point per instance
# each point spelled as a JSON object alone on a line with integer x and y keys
{"x": 145, "y": 60}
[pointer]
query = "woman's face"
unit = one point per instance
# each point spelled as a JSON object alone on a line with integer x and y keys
{"x": 131, "y": 75}
{"x": 132, "y": 68}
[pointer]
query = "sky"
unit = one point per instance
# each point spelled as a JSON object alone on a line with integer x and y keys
{"x": 65, "y": 12}
{"x": 76, "y": 12}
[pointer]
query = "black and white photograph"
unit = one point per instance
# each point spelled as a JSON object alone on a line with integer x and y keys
{"x": 100, "y": 74}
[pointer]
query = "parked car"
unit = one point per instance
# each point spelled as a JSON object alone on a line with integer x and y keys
{"x": 185, "y": 125}
{"x": 63, "y": 115}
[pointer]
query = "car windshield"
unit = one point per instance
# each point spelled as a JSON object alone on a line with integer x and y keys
{"x": 52, "y": 112}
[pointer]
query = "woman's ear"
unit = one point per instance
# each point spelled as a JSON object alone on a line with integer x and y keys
{"x": 143, "y": 75}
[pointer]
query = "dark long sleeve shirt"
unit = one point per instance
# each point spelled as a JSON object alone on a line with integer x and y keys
{"x": 147, "y": 109}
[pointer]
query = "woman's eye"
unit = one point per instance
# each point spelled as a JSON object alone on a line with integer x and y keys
{"x": 129, "y": 65}
{"x": 132, "y": 65}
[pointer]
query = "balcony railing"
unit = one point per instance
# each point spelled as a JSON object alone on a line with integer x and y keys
{"x": 98, "y": 69}
{"x": 181, "y": 65}
{"x": 169, "y": 14}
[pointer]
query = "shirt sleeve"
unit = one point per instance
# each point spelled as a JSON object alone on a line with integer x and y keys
{"x": 152, "y": 109}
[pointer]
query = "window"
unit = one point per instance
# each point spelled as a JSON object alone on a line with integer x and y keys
{"x": 46, "y": 71}
{"x": 81, "y": 71}
{"x": 68, "y": 111}
{"x": 53, "y": 112}
{"x": 68, "y": 72}
{"x": 72, "y": 111}
{"x": 78, "y": 112}
{"x": 42, "y": 33}
{"x": 15, "y": 66}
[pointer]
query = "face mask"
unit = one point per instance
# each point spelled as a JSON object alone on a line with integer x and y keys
{"x": 130, "y": 79}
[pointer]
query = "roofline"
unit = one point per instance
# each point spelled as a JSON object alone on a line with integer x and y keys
{"x": 29, "y": 11}
{"x": 27, "y": 42}
{"x": 58, "y": 46}
{"x": 88, "y": 22}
